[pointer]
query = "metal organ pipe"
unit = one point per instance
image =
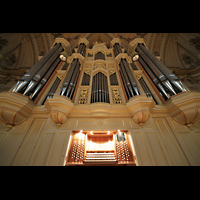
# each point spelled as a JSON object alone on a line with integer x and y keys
{"x": 171, "y": 77}
{"x": 127, "y": 81}
{"x": 162, "y": 77}
{"x": 131, "y": 77}
{"x": 156, "y": 81}
{"x": 158, "y": 72}
{"x": 35, "y": 80}
{"x": 114, "y": 49}
{"x": 22, "y": 82}
{"x": 81, "y": 49}
{"x": 69, "y": 83}
{"x": 119, "y": 48}
{"x": 100, "y": 89}
{"x": 124, "y": 81}
{"x": 75, "y": 82}
{"x": 45, "y": 78}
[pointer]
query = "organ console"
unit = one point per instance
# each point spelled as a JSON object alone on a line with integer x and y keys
{"x": 102, "y": 147}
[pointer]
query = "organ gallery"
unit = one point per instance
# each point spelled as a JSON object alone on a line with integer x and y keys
{"x": 102, "y": 105}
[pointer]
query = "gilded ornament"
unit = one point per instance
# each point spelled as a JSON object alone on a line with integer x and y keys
{"x": 116, "y": 96}
{"x": 83, "y": 96}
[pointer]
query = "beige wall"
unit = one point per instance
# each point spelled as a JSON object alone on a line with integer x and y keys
{"x": 160, "y": 142}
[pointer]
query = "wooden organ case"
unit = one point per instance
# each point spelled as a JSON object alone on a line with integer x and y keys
{"x": 88, "y": 148}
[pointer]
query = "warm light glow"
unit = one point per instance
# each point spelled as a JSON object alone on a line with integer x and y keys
{"x": 91, "y": 132}
{"x": 108, "y": 132}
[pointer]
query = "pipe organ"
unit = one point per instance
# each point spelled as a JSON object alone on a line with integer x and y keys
{"x": 91, "y": 95}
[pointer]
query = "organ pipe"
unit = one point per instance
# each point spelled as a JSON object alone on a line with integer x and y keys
{"x": 70, "y": 80}
{"x": 37, "y": 71}
{"x": 117, "y": 49}
{"x": 161, "y": 76}
{"x": 100, "y": 89}
{"x": 128, "y": 79}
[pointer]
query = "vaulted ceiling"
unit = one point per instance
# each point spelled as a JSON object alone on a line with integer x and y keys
{"x": 21, "y": 50}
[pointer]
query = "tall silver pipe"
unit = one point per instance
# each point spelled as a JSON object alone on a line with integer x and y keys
{"x": 131, "y": 76}
{"x": 29, "y": 75}
{"x": 46, "y": 77}
{"x": 74, "y": 81}
{"x": 124, "y": 81}
{"x": 71, "y": 83}
{"x": 174, "y": 80}
{"x": 68, "y": 77}
{"x": 35, "y": 80}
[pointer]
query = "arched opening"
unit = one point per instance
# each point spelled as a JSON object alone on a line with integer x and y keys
{"x": 99, "y": 55}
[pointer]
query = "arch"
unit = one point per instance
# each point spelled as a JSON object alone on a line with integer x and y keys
{"x": 99, "y": 55}
{"x": 96, "y": 71}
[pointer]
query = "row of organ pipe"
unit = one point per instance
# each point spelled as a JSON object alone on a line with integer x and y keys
{"x": 129, "y": 81}
{"x": 69, "y": 83}
{"x": 113, "y": 79}
{"x": 100, "y": 89}
{"x": 86, "y": 79}
{"x": 117, "y": 49}
{"x": 99, "y": 55}
{"x": 35, "y": 79}
{"x": 82, "y": 49}
{"x": 53, "y": 89}
{"x": 130, "y": 84}
{"x": 165, "y": 81}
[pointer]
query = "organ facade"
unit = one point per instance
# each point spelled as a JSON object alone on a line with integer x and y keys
{"x": 99, "y": 106}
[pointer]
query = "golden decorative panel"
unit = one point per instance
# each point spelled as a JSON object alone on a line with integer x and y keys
{"x": 83, "y": 96}
{"x": 99, "y": 65}
{"x": 117, "y": 99}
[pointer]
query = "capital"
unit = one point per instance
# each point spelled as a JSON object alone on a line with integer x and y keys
{"x": 65, "y": 44}
{"x": 115, "y": 40}
{"x": 134, "y": 43}
{"x": 83, "y": 40}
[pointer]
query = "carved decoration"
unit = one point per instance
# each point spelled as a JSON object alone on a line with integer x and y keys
{"x": 14, "y": 109}
{"x": 11, "y": 118}
{"x": 195, "y": 42}
{"x": 184, "y": 108}
{"x": 83, "y": 96}
{"x": 59, "y": 109}
{"x": 141, "y": 117}
{"x": 116, "y": 96}
{"x": 99, "y": 65}
{"x": 140, "y": 108}
{"x": 9, "y": 61}
{"x": 189, "y": 61}
{"x": 3, "y": 42}
{"x": 188, "y": 117}
{"x": 58, "y": 117}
